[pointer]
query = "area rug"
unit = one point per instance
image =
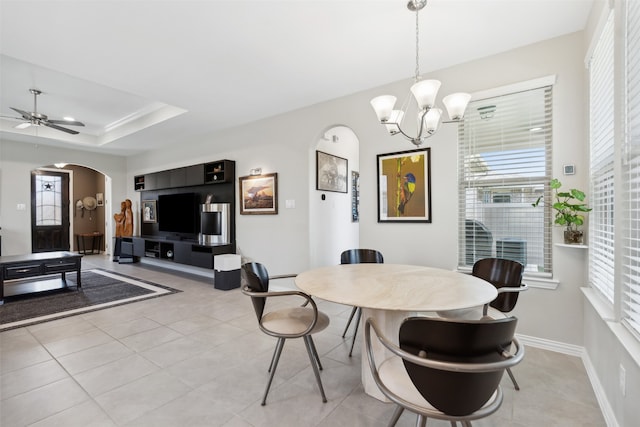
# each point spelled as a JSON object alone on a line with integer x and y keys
{"x": 100, "y": 289}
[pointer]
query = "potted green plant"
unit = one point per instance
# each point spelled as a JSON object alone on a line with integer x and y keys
{"x": 570, "y": 209}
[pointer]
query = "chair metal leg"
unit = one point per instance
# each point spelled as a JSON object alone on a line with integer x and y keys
{"x": 274, "y": 365}
{"x": 421, "y": 421}
{"x": 346, "y": 328}
{"x": 396, "y": 416}
{"x": 355, "y": 333}
{"x": 453, "y": 424}
{"x": 310, "y": 347}
{"x": 315, "y": 352}
{"x": 513, "y": 379}
{"x": 273, "y": 358}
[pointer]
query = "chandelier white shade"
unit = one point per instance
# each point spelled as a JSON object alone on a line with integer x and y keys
{"x": 425, "y": 93}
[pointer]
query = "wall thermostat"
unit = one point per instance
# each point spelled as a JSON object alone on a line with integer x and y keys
{"x": 569, "y": 169}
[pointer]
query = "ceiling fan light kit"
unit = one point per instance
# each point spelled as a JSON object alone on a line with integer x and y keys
{"x": 424, "y": 93}
{"x": 34, "y": 118}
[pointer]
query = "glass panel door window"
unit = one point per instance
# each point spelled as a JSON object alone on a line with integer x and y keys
{"x": 48, "y": 200}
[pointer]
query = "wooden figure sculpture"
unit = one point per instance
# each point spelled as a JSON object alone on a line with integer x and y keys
{"x": 124, "y": 220}
{"x": 119, "y": 219}
{"x": 128, "y": 219}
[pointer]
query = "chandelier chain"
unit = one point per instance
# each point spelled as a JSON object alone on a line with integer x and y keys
{"x": 417, "y": 48}
{"x": 424, "y": 94}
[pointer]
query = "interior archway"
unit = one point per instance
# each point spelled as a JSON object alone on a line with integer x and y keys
{"x": 87, "y": 183}
{"x": 332, "y": 228}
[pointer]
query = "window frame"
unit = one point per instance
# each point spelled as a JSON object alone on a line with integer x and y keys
{"x": 540, "y": 83}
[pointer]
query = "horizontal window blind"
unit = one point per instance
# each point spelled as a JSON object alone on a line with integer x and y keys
{"x": 631, "y": 173}
{"x": 601, "y": 136}
{"x": 504, "y": 167}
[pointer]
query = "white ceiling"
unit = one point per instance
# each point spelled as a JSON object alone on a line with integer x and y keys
{"x": 189, "y": 68}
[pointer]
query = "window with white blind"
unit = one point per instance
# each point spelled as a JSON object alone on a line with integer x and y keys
{"x": 504, "y": 167}
{"x": 631, "y": 173}
{"x": 601, "y": 136}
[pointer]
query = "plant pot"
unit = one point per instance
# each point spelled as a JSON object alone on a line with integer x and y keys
{"x": 573, "y": 237}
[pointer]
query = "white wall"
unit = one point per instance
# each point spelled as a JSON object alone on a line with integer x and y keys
{"x": 17, "y": 160}
{"x": 284, "y": 143}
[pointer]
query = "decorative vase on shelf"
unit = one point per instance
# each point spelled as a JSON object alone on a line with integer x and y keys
{"x": 570, "y": 211}
{"x": 573, "y": 237}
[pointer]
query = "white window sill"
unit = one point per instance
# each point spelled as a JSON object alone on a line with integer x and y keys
{"x": 604, "y": 309}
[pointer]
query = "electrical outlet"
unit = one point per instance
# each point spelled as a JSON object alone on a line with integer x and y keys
{"x": 623, "y": 380}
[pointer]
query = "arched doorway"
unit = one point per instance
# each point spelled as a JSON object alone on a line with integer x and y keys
{"x": 333, "y": 227}
{"x": 88, "y": 209}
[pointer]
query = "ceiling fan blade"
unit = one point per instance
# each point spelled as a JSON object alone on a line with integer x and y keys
{"x": 65, "y": 122}
{"x": 26, "y": 115}
{"x": 22, "y": 125}
{"x": 11, "y": 117}
{"x": 52, "y": 126}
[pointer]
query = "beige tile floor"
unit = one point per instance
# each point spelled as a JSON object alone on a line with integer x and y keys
{"x": 197, "y": 358}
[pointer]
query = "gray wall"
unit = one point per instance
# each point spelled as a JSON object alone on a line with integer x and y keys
{"x": 17, "y": 160}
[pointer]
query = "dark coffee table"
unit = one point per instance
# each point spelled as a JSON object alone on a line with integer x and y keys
{"x": 41, "y": 264}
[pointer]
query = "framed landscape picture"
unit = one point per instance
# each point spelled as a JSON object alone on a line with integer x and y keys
{"x": 404, "y": 186}
{"x": 259, "y": 194}
{"x": 331, "y": 172}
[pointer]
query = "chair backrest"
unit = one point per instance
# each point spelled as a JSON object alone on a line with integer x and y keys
{"x": 500, "y": 273}
{"x": 255, "y": 276}
{"x": 361, "y": 256}
{"x": 462, "y": 341}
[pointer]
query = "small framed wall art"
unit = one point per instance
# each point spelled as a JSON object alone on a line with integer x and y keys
{"x": 149, "y": 211}
{"x": 259, "y": 194}
{"x": 331, "y": 172}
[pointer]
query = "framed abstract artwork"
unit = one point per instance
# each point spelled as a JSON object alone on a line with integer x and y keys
{"x": 404, "y": 186}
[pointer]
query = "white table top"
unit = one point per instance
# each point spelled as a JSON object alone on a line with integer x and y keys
{"x": 396, "y": 287}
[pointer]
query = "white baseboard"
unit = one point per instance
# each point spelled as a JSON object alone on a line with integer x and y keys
{"x": 605, "y": 407}
{"x": 545, "y": 344}
{"x": 578, "y": 351}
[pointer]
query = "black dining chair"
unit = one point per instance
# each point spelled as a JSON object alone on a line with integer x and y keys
{"x": 444, "y": 368}
{"x": 358, "y": 256}
{"x": 284, "y": 323}
{"x": 506, "y": 276}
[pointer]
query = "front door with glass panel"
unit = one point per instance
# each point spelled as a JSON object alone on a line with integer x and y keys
{"x": 49, "y": 211}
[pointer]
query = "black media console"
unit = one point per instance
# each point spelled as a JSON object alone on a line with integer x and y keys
{"x": 178, "y": 236}
{"x": 180, "y": 251}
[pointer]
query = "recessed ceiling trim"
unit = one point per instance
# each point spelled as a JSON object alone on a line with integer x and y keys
{"x": 137, "y": 121}
{"x": 148, "y": 109}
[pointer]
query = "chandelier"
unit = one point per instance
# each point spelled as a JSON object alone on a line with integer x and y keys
{"x": 424, "y": 93}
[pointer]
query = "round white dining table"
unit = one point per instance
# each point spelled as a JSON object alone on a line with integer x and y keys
{"x": 389, "y": 293}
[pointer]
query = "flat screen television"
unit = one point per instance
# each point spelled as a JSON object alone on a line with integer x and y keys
{"x": 178, "y": 213}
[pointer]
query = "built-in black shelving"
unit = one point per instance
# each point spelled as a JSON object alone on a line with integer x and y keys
{"x": 218, "y": 172}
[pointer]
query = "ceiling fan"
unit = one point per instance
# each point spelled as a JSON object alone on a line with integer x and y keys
{"x": 38, "y": 119}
